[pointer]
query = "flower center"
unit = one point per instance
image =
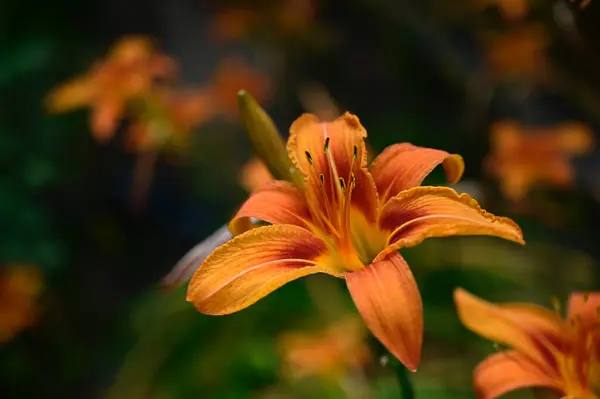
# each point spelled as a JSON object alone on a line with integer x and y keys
{"x": 330, "y": 202}
{"x": 580, "y": 365}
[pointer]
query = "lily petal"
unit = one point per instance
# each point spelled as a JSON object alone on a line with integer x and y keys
{"x": 573, "y": 138}
{"x": 105, "y": 118}
{"x": 276, "y": 202}
{"x": 422, "y": 212}
{"x": 388, "y": 299}
{"x": 254, "y": 264}
{"x": 532, "y": 330}
{"x": 584, "y": 306}
{"x": 334, "y": 150}
{"x": 76, "y": 93}
{"x": 507, "y": 371}
{"x": 403, "y": 166}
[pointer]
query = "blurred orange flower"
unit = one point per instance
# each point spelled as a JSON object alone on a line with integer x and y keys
{"x": 295, "y": 17}
{"x": 520, "y": 52}
{"x": 129, "y": 71}
{"x": 547, "y": 350}
{"x": 233, "y": 23}
{"x": 254, "y": 174}
{"x": 521, "y": 156}
{"x": 511, "y": 10}
{"x": 232, "y": 75}
{"x": 169, "y": 116}
{"x": 582, "y": 3}
{"x": 285, "y": 17}
{"x": 328, "y": 353}
{"x": 348, "y": 221}
{"x": 170, "y": 119}
{"x": 20, "y": 287}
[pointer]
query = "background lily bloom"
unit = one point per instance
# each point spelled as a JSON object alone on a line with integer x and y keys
{"x": 20, "y": 287}
{"x": 547, "y": 350}
{"x": 347, "y": 221}
{"x": 524, "y": 156}
{"x": 327, "y": 353}
{"x": 511, "y": 10}
{"x": 129, "y": 71}
{"x": 518, "y": 53}
{"x": 233, "y": 74}
{"x": 254, "y": 174}
{"x": 171, "y": 120}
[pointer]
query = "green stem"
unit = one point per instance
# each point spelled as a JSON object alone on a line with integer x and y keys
{"x": 402, "y": 374}
{"x": 406, "y": 386}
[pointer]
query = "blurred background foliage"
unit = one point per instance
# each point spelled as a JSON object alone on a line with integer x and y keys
{"x": 90, "y": 227}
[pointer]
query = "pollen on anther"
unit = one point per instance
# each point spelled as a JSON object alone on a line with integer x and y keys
{"x": 308, "y": 157}
{"x": 326, "y": 147}
{"x": 352, "y": 180}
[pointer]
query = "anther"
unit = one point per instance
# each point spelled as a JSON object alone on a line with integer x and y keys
{"x": 342, "y": 184}
{"x": 326, "y": 148}
{"x": 354, "y": 153}
{"x": 352, "y": 179}
{"x": 322, "y": 178}
{"x": 586, "y": 296}
{"x": 308, "y": 157}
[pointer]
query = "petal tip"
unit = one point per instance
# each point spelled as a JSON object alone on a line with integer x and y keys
{"x": 454, "y": 167}
{"x": 413, "y": 365}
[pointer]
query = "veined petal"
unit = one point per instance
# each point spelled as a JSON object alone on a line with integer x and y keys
{"x": 422, "y": 212}
{"x": 336, "y": 151}
{"x": 254, "y": 264}
{"x": 403, "y": 166}
{"x": 276, "y": 202}
{"x": 507, "y": 371}
{"x": 532, "y": 330}
{"x": 584, "y": 306}
{"x": 388, "y": 299}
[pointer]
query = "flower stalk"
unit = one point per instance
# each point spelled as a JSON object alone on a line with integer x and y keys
{"x": 403, "y": 376}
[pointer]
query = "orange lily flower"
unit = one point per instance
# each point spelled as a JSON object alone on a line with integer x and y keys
{"x": 232, "y": 75}
{"x": 511, "y": 10}
{"x": 328, "y": 353}
{"x": 129, "y": 71}
{"x": 285, "y": 17}
{"x": 255, "y": 174}
{"x": 346, "y": 221}
{"x": 20, "y": 287}
{"x": 524, "y": 156}
{"x": 233, "y": 23}
{"x": 518, "y": 53}
{"x": 547, "y": 350}
{"x": 172, "y": 118}
{"x": 294, "y": 17}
